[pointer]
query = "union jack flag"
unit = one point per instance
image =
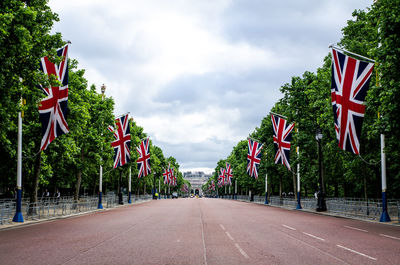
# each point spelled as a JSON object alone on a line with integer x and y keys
{"x": 212, "y": 185}
{"x": 167, "y": 176}
{"x": 144, "y": 158}
{"x": 253, "y": 157}
{"x": 228, "y": 174}
{"x": 185, "y": 188}
{"x": 53, "y": 107}
{"x": 282, "y": 138}
{"x": 350, "y": 82}
{"x": 221, "y": 178}
{"x": 173, "y": 177}
{"x": 122, "y": 143}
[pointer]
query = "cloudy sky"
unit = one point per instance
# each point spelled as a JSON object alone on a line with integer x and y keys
{"x": 199, "y": 75}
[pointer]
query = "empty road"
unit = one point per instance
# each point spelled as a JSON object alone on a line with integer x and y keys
{"x": 201, "y": 231}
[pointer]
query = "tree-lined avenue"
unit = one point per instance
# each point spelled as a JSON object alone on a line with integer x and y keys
{"x": 201, "y": 231}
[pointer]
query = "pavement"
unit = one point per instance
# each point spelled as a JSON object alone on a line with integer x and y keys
{"x": 200, "y": 231}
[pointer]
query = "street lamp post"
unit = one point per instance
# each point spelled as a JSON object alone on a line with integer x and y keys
{"x": 321, "y": 207}
{"x": 100, "y": 205}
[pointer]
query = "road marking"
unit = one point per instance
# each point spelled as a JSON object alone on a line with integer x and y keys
{"x": 230, "y": 237}
{"x": 392, "y": 237}
{"x": 289, "y": 227}
{"x": 223, "y": 228}
{"x": 315, "y": 248}
{"x": 354, "y": 228}
{"x": 202, "y": 236}
{"x": 241, "y": 251}
{"x": 356, "y": 252}
{"x": 313, "y": 236}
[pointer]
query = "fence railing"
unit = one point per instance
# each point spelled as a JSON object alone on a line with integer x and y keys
{"x": 352, "y": 207}
{"x": 46, "y": 208}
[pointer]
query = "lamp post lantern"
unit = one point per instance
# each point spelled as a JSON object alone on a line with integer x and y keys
{"x": 321, "y": 207}
{"x": 100, "y": 205}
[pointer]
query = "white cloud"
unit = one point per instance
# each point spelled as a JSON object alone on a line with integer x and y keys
{"x": 199, "y": 75}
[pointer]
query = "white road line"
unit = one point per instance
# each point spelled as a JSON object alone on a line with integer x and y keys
{"x": 313, "y": 236}
{"x": 354, "y": 228}
{"x": 241, "y": 251}
{"x": 289, "y": 227}
{"x": 223, "y": 228}
{"x": 229, "y": 235}
{"x": 392, "y": 237}
{"x": 356, "y": 252}
{"x": 316, "y": 249}
{"x": 202, "y": 237}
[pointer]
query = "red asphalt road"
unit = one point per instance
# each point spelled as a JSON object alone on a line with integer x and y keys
{"x": 201, "y": 231}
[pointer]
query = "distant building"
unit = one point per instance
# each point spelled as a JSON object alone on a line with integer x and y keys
{"x": 197, "y": 179}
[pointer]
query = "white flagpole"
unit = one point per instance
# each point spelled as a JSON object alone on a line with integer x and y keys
{"x": 266, "y": 188}
{"x": 235, "y": 188}
{"x": 384, "y": 216}
{"x": 298, "y": 207}
{"x": 130, "y": 185}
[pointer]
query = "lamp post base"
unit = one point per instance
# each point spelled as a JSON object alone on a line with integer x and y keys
{"x": 298, "y": 207}
{"x": 18, "y": 214}
{"x": 321, "y": 203}
{"x": 266, "y": 198}
{"x": 384, "y": 216}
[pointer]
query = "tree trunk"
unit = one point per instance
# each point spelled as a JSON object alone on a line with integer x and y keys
{"x": 79, "y": 178}
{"x": 280, "y": 187}
{"x": 77, "y": 185}
{"x": 36, "y": 174}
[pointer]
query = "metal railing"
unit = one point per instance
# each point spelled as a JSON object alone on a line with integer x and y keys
{"x": 352, "y": 207}
{"x": 47, "y": 208}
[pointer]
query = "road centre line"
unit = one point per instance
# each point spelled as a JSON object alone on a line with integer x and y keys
{"x": 289, "y": 227}
{"x": 358, "y": 229}
{"x": 313, "y": 236}
{"x": 241, "y": 251}
{"x": 223, "y": 228}
{"x": 392, "y": 237}
{"x": 356, "y": 252}
{"x": 229, "y": 235}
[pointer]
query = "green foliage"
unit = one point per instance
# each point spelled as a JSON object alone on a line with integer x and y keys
{"x": 72, "y": 159}
{"x": 374, "y": 33}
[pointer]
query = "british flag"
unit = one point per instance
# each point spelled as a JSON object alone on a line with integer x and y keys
{"x": 253, "y": 157}
{"x": 122, "y": 143}
{"x": 221, "y": 178}
{"x": 212, "y": 185}
{"x": 228, "y": 174}
{"x": 282, "y": 138}
{"x": 350, "y": 82}
{"x": 185, "y": 188}
{"x": 167, "y": 176}
{"x": 143, "y": 161}
{"x": 173, "y": 177}
{"x": 53, "y": 107}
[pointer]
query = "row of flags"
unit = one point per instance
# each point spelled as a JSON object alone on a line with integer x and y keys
{"x": 169, "y": 176}
{"x": 225, "y": 178}
{"x": 349, "y": 86}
